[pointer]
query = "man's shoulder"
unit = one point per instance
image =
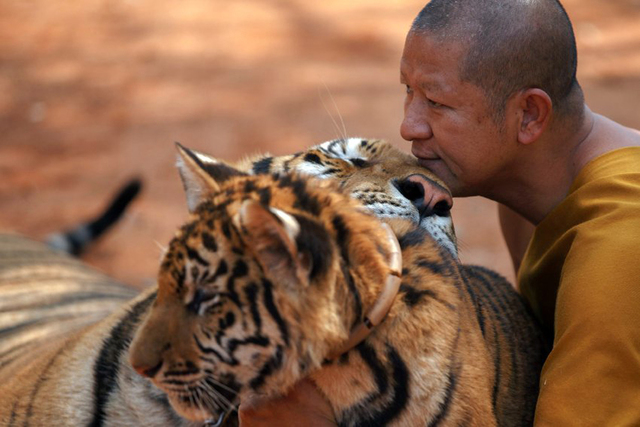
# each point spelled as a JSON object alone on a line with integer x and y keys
{"x": 605, "y": 249}
{"x": 606, "y": 194}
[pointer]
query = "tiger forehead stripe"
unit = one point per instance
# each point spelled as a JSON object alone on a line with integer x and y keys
{"x": 304, "y": 199}
{"x": 209, "y": 242}
{"x": 287, "y": 163}
{"x": 313, "y": 158}
{"x": 265, "y": 195}
{"x": 262, "y": 166}
{"x": 349, "y": 149}
{"x": 250, "y": 186}
{"x": 195, "y": 255}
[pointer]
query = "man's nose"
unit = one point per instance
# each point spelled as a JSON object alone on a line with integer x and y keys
{"x": 415, "y": 125}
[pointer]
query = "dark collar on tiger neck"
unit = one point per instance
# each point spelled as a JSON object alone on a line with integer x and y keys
{"x": 383, "y": 304}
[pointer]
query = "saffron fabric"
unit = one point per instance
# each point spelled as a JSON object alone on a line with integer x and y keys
{"x": 581, "y": 275}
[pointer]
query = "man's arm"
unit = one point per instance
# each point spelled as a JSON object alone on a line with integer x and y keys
{"x": 592, "y": 376}
{"x": 304, "y": 405}
{"x": 517, "y": 232}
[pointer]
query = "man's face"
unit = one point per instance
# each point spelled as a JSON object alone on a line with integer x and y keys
{"x": 448, "y": 121}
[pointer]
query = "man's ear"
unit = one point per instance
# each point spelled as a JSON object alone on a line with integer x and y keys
{"x": 201, "y": 174}
{"x": 535, "y": 107}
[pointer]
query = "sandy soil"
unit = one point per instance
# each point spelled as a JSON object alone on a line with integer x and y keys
{"x": 93, "y": 93}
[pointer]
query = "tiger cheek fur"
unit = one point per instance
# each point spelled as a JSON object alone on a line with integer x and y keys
{"x": 160, "y": 351}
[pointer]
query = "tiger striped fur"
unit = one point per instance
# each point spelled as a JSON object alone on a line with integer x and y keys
{"x": 271, "y": 273}
{"x": 464, "y": 324}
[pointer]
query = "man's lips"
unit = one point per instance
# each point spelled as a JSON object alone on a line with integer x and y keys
{"x": 423, "y": 156}
{"x": 428, "y": 163}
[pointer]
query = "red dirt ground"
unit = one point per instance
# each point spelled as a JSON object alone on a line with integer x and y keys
{"x": 92, "y": 93}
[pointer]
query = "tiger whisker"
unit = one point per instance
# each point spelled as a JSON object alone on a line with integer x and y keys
{"x": 214, "y": 393}
{"x": 218, "y": 396}
{"x": 340, "y": 133}
{"x": 335, "y": 105}
{"x": 207, "y": 399}
{"x": 189, "y": 395}
{"x": 210, "y": 402}
{"x": 202, "y": 405}
{"x": 163, "y": 249}
{"x": 221, "y": 385}
{"x": 214, "y": 400}
{"x": 199, "y": 402}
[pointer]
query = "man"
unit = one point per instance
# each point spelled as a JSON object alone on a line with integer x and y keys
{"x": 494, "y": 108}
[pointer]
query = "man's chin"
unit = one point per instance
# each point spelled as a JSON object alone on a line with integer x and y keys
{"x": 438, "y": 167}
{"x": 429, "y": 163}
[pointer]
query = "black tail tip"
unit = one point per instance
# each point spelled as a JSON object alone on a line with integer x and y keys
{"x": 131, "y": 189}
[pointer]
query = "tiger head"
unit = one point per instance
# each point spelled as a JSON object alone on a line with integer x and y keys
{"x": 257, "y": 288}
{"x": 385, "y": 179}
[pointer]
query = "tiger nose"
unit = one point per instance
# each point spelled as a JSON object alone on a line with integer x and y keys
{"x": 429, "y": 197}
{"x": 147, "y": 371}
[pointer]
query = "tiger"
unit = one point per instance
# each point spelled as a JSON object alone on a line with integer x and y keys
{"x": 463, "y": 328}
{"x": 277, "y": 277}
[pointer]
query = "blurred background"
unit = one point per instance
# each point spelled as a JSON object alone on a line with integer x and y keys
{"x": 93, "y": 93}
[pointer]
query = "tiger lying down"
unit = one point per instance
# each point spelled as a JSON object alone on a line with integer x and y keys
{"x": 269, "y": 281}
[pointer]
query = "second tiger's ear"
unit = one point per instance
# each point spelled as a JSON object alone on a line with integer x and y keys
{"x": 201, "y": 174}
{"x": 272, "y": 233}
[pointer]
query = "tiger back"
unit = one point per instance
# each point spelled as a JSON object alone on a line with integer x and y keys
{"x": 47, "y": 297}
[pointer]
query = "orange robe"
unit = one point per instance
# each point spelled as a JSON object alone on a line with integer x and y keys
{"x": 581, "y": 275}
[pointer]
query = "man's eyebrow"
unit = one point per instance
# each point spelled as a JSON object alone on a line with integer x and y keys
{"x": 431, "y": 86}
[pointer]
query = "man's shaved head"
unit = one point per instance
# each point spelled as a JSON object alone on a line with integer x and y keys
{"x": 511, "y": 45}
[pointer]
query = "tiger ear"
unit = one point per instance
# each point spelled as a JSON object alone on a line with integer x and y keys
{"x": 201, "y": 174}
{"x": 271, "y": 234}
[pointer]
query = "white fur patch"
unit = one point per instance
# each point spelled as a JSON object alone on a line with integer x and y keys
{"x": 291, "y": 226}
{"x": 345, "y": 149}
{"x": 438, "y": 227}
{"x": 312, "y": 169}
{"x": 205, "y": 159}
{"x": 192, "y": 184}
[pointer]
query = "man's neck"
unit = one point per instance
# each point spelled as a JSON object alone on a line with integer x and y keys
{"x": 606, "y": 136}
{"x": 551, "y": 167}
{"x": 548, "y": 168}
